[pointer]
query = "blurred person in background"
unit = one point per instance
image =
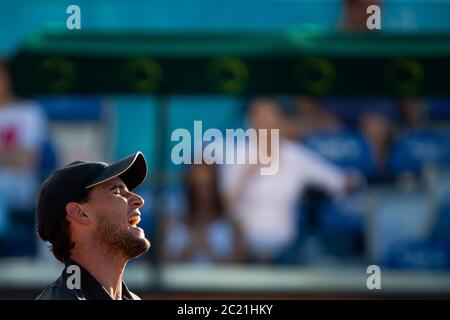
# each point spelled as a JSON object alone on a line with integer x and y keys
{"x": 23, "y": 129}
{"x": 313, "y": 117}
{"x": 374, "y": 118}
{"x": 377, "y": 128}
{"x": 265, "y": 206}
{"x": 206, "y": 234}
{"x": 412, "y": 113}
{"x": 355, "y": 15}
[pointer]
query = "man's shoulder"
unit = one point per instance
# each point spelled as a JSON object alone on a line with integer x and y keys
{"x": 58, "y": 291}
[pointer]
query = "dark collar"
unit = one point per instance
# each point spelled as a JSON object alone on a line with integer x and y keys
{"x": 92, "y": 289}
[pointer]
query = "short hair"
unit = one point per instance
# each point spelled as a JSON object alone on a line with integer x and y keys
{"x": 61, "y": 242}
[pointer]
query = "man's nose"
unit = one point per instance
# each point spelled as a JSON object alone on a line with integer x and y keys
{"x": 135, "y": 200}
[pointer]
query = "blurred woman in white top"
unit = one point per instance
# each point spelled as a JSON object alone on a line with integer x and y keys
{"x": 265, "y": 205}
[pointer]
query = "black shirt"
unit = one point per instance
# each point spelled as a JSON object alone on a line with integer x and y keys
{"x": 90, "y": 288}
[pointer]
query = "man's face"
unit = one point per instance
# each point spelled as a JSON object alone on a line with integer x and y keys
{"x": 115, "y": 212}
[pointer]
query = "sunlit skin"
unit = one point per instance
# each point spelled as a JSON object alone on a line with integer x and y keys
{"x": 105, "y": 233}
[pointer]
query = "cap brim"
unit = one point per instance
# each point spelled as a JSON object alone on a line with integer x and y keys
{"x": 132, "y": 170}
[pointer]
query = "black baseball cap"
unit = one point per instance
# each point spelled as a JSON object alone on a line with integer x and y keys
{"x": 71, "y": 182}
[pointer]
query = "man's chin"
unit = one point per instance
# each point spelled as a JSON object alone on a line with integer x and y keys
{"x": 131, "y": 244}
{"x": 138, "y": 246}
{"x": 118, "y": 240}
{"x": 137, "y": 231}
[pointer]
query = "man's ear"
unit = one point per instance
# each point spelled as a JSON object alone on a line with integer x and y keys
{"x": 74, "y": 212}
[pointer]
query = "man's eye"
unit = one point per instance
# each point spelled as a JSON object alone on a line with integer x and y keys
{"x": 117, "y": 191}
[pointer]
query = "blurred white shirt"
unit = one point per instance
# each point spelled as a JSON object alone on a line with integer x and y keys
{"x": 266, "y": 208}
{"x": 22, "y": 124}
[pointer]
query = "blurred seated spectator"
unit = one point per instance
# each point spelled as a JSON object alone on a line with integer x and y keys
{"x": 378, "y": 131}
{"x": 412, "y": 113}
{"x": 265, "y": 206}
{"x": 374, "y": 118}
{"x": 419, "y": 149}
{"x": 207, "y": 235}
{"x": 22, "y": 134}
{"x": 350, "y": 109}
{"x": 313, "y": 118}
{"x": 355, "y": 15}
{"x": 347, "y": 149}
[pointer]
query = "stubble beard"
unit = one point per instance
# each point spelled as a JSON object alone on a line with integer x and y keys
{"x": 118, "y": 241}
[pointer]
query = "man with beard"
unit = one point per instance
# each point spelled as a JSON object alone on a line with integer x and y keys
{"x": 89, "y": 215}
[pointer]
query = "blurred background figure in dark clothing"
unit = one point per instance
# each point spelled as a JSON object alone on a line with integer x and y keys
{"x": 412, "y": 112}
{"x": 377, "y": 129}
{"x": 315, "y": 118}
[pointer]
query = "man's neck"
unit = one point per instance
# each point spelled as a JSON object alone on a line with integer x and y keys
{"x": 107, "y": 269}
